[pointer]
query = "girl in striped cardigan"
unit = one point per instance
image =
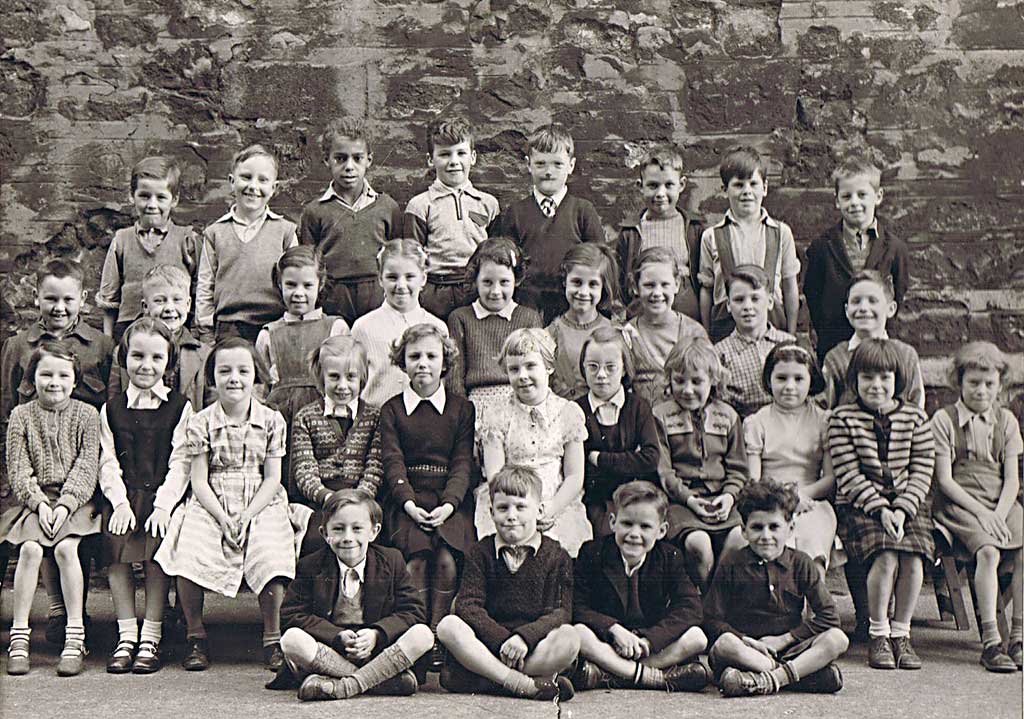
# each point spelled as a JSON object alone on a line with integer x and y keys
{"x": 883, "y": 453}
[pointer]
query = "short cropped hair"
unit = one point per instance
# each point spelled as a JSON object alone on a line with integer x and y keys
{"x": 449, "y": 350}
{"x": 876, "y": 355}
{"x": 664, "y": 157}
{"x": 170, "y": 275}
{"x": 447, "y": 132}
{"x": 596, "y": 256}
{"x": 60, "y": 269}
{"x": 640, "y": 491}
{"x": 526, "y": 340}
{"x": 157, "y": 167}
{"x": 52, "y": 348}
{"x": 551, "y": 138}
{"x": 790, "y": 351}
{"x": 753, "y": 275}
{"x": 233, "y": 343}
{"x": 500, "y": 251}
{"x": 347, "y": 497}
{"x": 345, "y": 128}
{"x": 767, "y": 495}
{"x": 404, "y": 249}
{"x": 883, "y": 281}
{"x": 983, "y": 356}
{"x": 696, "y": 354}
{"x": 608, "y": 335}
{"x": 339, "y": 346}
{"x": 148, "y": 326}
{"x": 742, "y": 162}
{"x": 516, "y": 481}
{"x": 855, "y": 167}
{"x": 300, "y": 256}
{"x": 255, "y": 151}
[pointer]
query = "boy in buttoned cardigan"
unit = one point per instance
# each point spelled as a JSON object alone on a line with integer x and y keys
{"x": 636, "y": 611}
{"x": 347, "y": 635}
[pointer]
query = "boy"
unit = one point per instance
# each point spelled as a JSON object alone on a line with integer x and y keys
{"x": 550, "y": 221}
{"x": 509, "y": 627}
{"x": 353, "y": 619}
{"x": 753, "y": 614}
{"x": 637, "y": 613}
{"x": 747, "y": 235}
{"x": 234, "y": 292}
{"x": 154, "y": 239}
{"x": 165, "y": 296}
{"x": 858, "y": 242}
{"x": 743, "y": 352}
{"x": 349, "y": 223}
{"x": 451, "y": 218}
{"x": 662, "y": 224}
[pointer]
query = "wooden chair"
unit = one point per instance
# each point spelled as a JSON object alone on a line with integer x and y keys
{"x": 954, "y": 581}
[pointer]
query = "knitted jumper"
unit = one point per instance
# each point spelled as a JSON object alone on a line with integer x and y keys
{"x": 58, "y": 450}
{"x": 479, "y": 343}
{"x": 531, "y": 603}
{"x": 326, "y": 459}
{"x": 349, "y": 240}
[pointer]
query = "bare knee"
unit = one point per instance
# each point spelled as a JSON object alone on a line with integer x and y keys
{"x": 586, "y": 635}
{"x": 66, "y": 552}
{"x": 698, "y": 546}
{"x": 836, "y": 641}
{"x": 444, "y": 563}
{"x": 987, "y": 556}
{"x": 885, "y": 562}
{"x": 30, "y": 552}
{"x": 418, "y": 639}
{"x": 694, "y": 638}
{"x": 727, "y": 645}
{"x": 297, "y": 643}
{"x": 911, "y": 564}
{"x": 451, "y": 629}
{"x": 565, "y": 639}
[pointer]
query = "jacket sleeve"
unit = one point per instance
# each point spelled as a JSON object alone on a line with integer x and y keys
{"x": 643, "y": 458}
{"x": 409, "y": 608}
{"x": 304, "y": 464}
{"x": 586, "y": 574}
{"x": 558, "y": 604}
{"x": 461, "y": 464}
{"x": 814, "y": 277}
{"x": 684, "y": 605}
{"x": 591, "y": 229}
{"x": 716, "y": 605}
{"x": 900, "y": 270}
{"x": 824, "y": 614}
{"x": 676, "y": 489}
{"x": 694, "y": 230}
{"x": 471, "y": 604}
{"x": 455, "y": 382}
{"x": 735, "y": 461}
{"x": 309, "y": 228}
{"x": 20, "y": 474}
{"x": 299, "y": 609}
{"x": 396, "y": 479}
{"x": 850, "y": 479}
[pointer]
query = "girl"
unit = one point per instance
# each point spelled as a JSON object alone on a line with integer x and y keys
{"x": 622, "y": 440}
{"x": 427, "y": 447}
{"x": 702, "y": 464}
{"x": 538, "y": 429}
{"x": 52, "y": 451}
{"x": 236, "y": 524}
{"x": 401, "y": 267}
{"x": 335, "y": 440}
{"x": 589, "y": 274}
{"x": 143, "y": 474}
{"x": 977, "y": 467}
{"x": 284, "y": 344}
{"x": 788, "y": 440}
{"x": 883, "y": 454}
{"x": 478, "y": 330}
{"x": 658, "y": 327}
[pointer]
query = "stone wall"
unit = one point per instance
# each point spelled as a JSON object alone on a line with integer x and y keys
{"x": 933, "y": 89}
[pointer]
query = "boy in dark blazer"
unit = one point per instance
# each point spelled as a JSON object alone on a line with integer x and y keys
{"x": 637, "y": 613}
{"x": 353, "y": 619}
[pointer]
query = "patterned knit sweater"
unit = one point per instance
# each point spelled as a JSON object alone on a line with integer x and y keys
{"x": 56, "y": 450}
{"x": 479, "y": 343}
{"x": 882, "y": 460}
{"x": 326, "y": 459}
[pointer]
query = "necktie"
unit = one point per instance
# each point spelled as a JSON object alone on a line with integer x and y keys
{"x": 547, "y": 206}
{"x": 151, "y": 238}
{"x": 514, "y": 557}
{"x": 634, "y": 614}
{"x": 351, "y": 583}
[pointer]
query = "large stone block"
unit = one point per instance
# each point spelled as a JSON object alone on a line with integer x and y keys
{"x": 22, "y": 88}
{"x": 989, "y": 24}
{"x": 984, "y": 261}
{"x": 740, "y": 97}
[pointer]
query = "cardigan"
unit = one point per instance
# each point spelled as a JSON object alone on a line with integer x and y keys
{"x": 902, "y": 481}
{"x": 479, "y": 343}
{"x": 349, "y": 240}
{"x": 668, "y": 600}
{"x": 629, "y": 246}
{"x": 497, "y": 604}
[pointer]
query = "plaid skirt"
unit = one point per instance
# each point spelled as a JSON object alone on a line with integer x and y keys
{"x": 863, "y": 536}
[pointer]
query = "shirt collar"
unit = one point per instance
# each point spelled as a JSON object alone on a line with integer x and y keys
{"x": 330, "y": 194}
{"x": 36, "y": 331}
{"x": 156, "y": 230}
{"x": 159, "y": 390}
{"x": 259, "y": 416}
{"x": 412, "y": 400}
{"x": 749, "y": 558}
{"x": 765, "y": 218}
{"x": 313, "y": 314}
{"x": 533, "y": 543}
{"x": 548, "y": 410}
{"x": 965, "y": 414}
{"x": 630, "y": 571}
{"x": 438, "y": 189}
{"x": 617, "y": 400}
{"x": 230, "y": 216}
{"x": 343, "y": 569}
{"x": 331, "y": 407}
{"x": 483, "y": 313}
{"x": 557, "y": 197}
{"x": 871, "y": 230}
{"x": 855, "y": 341}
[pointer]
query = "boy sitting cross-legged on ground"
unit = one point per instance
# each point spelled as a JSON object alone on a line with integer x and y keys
{"x": 754, "y": 610}
{"x": 637, "y": 612}
{"x": 354, "y": 619}
{"x": 509, "y": 630}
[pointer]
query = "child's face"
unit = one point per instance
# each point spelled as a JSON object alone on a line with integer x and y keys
{"x": 603, "y": 368}
{"x": 253, "y": 183}
{"x": 657, "y": 287}
{"x": 749, "y": 307}
{"x": 168, "y": 304}
{"x": 342, "y": 379}
{"x": 767, "y": 533}
{"x": 549, "y": 171}
{"x": 746, "y": 196}
{"x": 583, "y": 288}
{"x": 790, "y": 383}
{"x": 514, "y": 517}
{"x": 234, "y": 373}
{"x": 54, "y": 381}
{"x": 424, "y": 359}
{"x": 299, "y": 288}
{"x": 690, "y": 388}
{"x": 59, "y": 300}
{"x": 348, "y": 162}
{"x": 660, "y": 188}
{"x": 146, "y": 359}
{"x": 452, "y": 163}
{"x": 876, "y": 389}
{"x": 528, "y": 376}
{"x": 636, "y": 529}
{"x": 348, "y": 532}
{"x": 402, "y": 279}
{"x": 979, "y": 388}
{"x": 153, "y": 201}
{"x": 856, "y": 200}
{"x": 868, "y": 309}
{"x": 495, "y": 284}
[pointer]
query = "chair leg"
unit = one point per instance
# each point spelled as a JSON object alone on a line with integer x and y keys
{"x": 957, "y": 591}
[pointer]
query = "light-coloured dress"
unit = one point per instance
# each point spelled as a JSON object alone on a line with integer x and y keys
{"x": 195, "y": 547}
{"x": 535, "y": 437}
{"x": 792, "y": 444}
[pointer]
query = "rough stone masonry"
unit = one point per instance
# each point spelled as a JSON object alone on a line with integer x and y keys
{"x": 932, "y": 89}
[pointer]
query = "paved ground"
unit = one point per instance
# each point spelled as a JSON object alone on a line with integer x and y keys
{"x": 952, "y": 684}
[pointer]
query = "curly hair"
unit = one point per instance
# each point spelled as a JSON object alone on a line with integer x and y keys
{"x": 767, "y": 495}
{"x": 449, "y": 350}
